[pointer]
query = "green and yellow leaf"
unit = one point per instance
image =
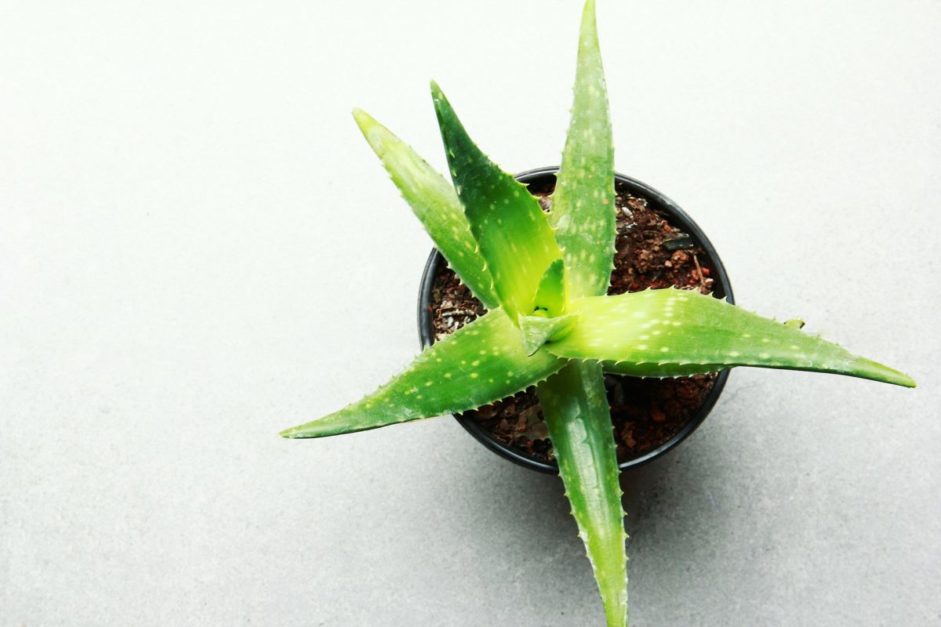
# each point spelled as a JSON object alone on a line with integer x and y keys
{"x": 576, "y": 411}
{"x": 478, "y": 364}
{"x": 665, "y": 333}
{"x": 583, "y": 212}
{"x": 574, "y": 400}
{"x": 513, "y": 233}
{"x": 435, "y": 203}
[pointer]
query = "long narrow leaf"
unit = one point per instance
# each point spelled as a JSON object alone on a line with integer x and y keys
{"x": 583, "y": 211}
{"x": 577, "y": 415}
{"x": 574, "y": 400}
{"x": 513, "y": 233}
{"x": 664, "y": 333}
{"x": 435, "y": 203}
{"x": 479, "y": 364}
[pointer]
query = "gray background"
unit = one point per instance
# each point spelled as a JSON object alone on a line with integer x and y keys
{"x": 197, "y": 249}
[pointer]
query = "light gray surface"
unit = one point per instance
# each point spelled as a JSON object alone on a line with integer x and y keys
{"x": 197, "y": 249}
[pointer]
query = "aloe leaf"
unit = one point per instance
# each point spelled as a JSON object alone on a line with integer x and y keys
{"x": 663, "y": 333}
{"x": 435, "y": 203}
{"x": 513, "y": 233}
{"x": 537, "y": 330}
{"x": 577, "y": 415}
{"x": 583, "y": 212}
{"x": 550, "y": 295}
{"x": 574, "y": 400}
{"x": 480, "y": 363}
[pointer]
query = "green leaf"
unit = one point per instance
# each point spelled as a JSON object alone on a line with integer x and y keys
{"x": 577, "y": 415}
{"x": 550, "y": 296}
{"x": 513, "y": 233}
{"x": 435, "y": 203}
{"x": 478, "y": 364}
{"x": 537, "y": 330}
{"x": 664, "y": 333}
{"x": 583, "y": 211}
{"x": 574, "y": 401}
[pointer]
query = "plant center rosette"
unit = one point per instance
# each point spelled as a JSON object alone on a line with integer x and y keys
{"x": 657, "y": 246}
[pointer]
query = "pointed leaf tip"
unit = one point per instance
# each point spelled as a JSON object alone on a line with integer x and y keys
{"x": 879, "y": 372}
{"x": 435, "y": 204}
{"x": 291, "y": 434}
{"x": 480, "y": 363}
{"x": 589, "y": 8}
{"x": 436, "y": 92}
{"x": 363, "y": 119}
{"x": 372, "y": 130}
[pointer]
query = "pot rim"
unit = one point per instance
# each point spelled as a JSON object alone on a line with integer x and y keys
{"x": 722, "y": 287}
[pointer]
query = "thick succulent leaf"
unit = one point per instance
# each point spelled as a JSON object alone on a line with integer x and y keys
{"x": 513, "y": 233}
{"x": 583, "y": 211}
{"x": 576, "y": 411}
{"x": 478, "y": 364}
{"x": 550, "y": 296}
{"x": 435, "y": 203}
{"x": 574, "y": 400}
{"x": 664, "y": 333}
{"x": 537, "y": 330}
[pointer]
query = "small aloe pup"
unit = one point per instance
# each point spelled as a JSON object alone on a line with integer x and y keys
{"x": 543, "y": 278}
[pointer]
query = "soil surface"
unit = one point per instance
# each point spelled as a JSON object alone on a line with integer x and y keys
{"x": 651, "y": 253}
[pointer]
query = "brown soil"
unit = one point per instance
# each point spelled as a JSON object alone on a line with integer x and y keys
{"x": 651, "y": 253}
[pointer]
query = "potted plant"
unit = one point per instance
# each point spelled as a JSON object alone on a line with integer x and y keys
{"x": 657, "y": 245}
{"x": 550, "y": 324}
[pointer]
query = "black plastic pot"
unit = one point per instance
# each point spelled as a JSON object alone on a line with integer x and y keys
{"x": 540, "y": 178}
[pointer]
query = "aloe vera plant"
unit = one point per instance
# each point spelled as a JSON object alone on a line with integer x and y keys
{"x": 543, "y": 278}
